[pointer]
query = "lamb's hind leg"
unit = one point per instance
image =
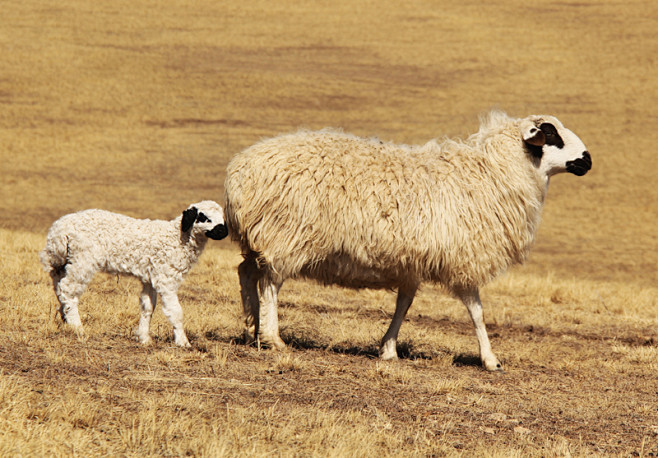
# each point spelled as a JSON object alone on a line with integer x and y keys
{"x": 147, "y": 300}
{"x": 388, "y": 347}
{"x": 471, "y": 299}
{"x": 174, "y": 313}
{"x": 70, "y": 282}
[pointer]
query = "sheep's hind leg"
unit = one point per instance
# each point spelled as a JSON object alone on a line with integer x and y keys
{"x": 471, "y": 299}
{"x": 268, "y": 318}
{"x": 388, "y": 347}
{"x": 174, "y": 313}
{"x": 147, "y": 300}
{"x": 249, "y": 275}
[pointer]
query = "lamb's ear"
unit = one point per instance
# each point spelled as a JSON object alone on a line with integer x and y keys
{"x": 189, "y": 216}
{"x": 533, "y": 135}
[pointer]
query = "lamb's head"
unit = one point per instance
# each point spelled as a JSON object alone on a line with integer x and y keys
{"x": 554, "y": 148}
{"x": 206, "y": 218}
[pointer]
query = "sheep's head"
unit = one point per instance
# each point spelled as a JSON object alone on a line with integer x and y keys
{"x": 205, "y": 217}
{"x": 554, "y": 147}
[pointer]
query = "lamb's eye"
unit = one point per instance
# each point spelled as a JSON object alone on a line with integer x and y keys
{"x": 203, "y": 218}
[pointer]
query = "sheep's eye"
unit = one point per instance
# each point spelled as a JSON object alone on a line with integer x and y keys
{"x": 202, "y": 218}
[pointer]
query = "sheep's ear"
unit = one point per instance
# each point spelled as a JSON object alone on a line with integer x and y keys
{"x": 533, "y": 135}
{"x": 189, "y": 216}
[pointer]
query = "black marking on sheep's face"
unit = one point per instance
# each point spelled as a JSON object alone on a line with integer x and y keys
{"x": 202, "y": 219}
{"x": 535, "y": 150}
{"x": 580, "y": 166}
{"x": 218, "y": 232}
{"x": 552, "y": 137}
{"x": 189, "y": 216}
{"x": 547, "y": 135}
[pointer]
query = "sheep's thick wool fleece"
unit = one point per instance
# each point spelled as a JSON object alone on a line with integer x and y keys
{"x": 365, "y": 213}
{"x": 121, "y": 244}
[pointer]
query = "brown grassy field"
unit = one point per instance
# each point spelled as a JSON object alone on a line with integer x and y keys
{"x": 137, "y": 107}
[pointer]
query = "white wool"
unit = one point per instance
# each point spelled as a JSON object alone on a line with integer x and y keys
{"x": 158, "y": 253}
{"x": 360, "y": 212}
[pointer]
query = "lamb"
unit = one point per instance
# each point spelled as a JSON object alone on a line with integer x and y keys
{"x": 159, "y": 253}
{"x": 363, "y": 213}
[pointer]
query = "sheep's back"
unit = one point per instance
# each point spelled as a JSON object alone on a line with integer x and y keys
{"x": 360, "y": 212}
{"x": 326, "y": 205}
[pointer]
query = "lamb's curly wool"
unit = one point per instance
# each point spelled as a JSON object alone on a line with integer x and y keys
{"x": 365, "y": 213}
{"x": 158, "y": 253}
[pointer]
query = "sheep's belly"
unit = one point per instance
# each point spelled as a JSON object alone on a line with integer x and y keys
{"x": 356, "y": 275}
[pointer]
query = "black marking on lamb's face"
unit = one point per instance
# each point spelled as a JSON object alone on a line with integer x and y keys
{"x": 202, "y": 218}
{"x": 218, "y": 232}
{"x": 552, "y": 137}
{"x": 580, "y": 166}
{"x": 189, "y": 216}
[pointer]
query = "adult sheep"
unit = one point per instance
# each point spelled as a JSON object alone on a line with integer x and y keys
{"x": 362, "y": 213}
{"x": 159, "y": 253}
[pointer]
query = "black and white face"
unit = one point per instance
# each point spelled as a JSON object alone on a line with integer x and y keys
{"x": 555, "y": 147}
{"x": 205, "y": 217}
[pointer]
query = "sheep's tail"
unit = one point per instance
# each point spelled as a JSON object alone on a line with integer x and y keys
{"x": 55, "y": 255}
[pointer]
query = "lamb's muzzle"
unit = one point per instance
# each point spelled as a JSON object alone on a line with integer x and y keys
{"x": 218, "y": 232}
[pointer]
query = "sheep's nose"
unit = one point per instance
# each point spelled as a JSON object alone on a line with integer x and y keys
{"x": 581, "y": 165}
{"x": 588, "y": 159}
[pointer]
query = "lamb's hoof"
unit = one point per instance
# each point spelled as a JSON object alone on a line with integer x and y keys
{"x": 183, "y": 343}
{"x": 145, "y": 340}
{"x": 79, "y": 333}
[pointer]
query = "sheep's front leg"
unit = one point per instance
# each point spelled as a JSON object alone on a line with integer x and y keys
{"x": 388, "y": 347}
{"x": 471, "y": 299}
{"x": 268, "y": 326}
{"x": 174, "y": 313}
{"x": 147, "y": 301}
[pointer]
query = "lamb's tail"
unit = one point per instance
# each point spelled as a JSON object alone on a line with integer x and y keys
{"x": 55, "y": 255}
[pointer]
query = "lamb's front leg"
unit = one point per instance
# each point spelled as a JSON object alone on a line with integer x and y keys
{"x": 174, "y": 313}
{"x": 147, "y": 301}
{"x": 471, "y": 299}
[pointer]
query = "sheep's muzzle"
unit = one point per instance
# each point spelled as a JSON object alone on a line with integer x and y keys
{"x": 581, "y": 165}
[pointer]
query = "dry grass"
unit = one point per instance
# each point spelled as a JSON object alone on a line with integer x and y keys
{"x": 138, "y": 107}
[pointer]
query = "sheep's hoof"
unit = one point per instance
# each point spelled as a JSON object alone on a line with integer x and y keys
{"x": 275, "y": 342}
{"x": 249, "y": 336}
{"x": 388, "y": 352}
{"x": 493, "y": 366}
